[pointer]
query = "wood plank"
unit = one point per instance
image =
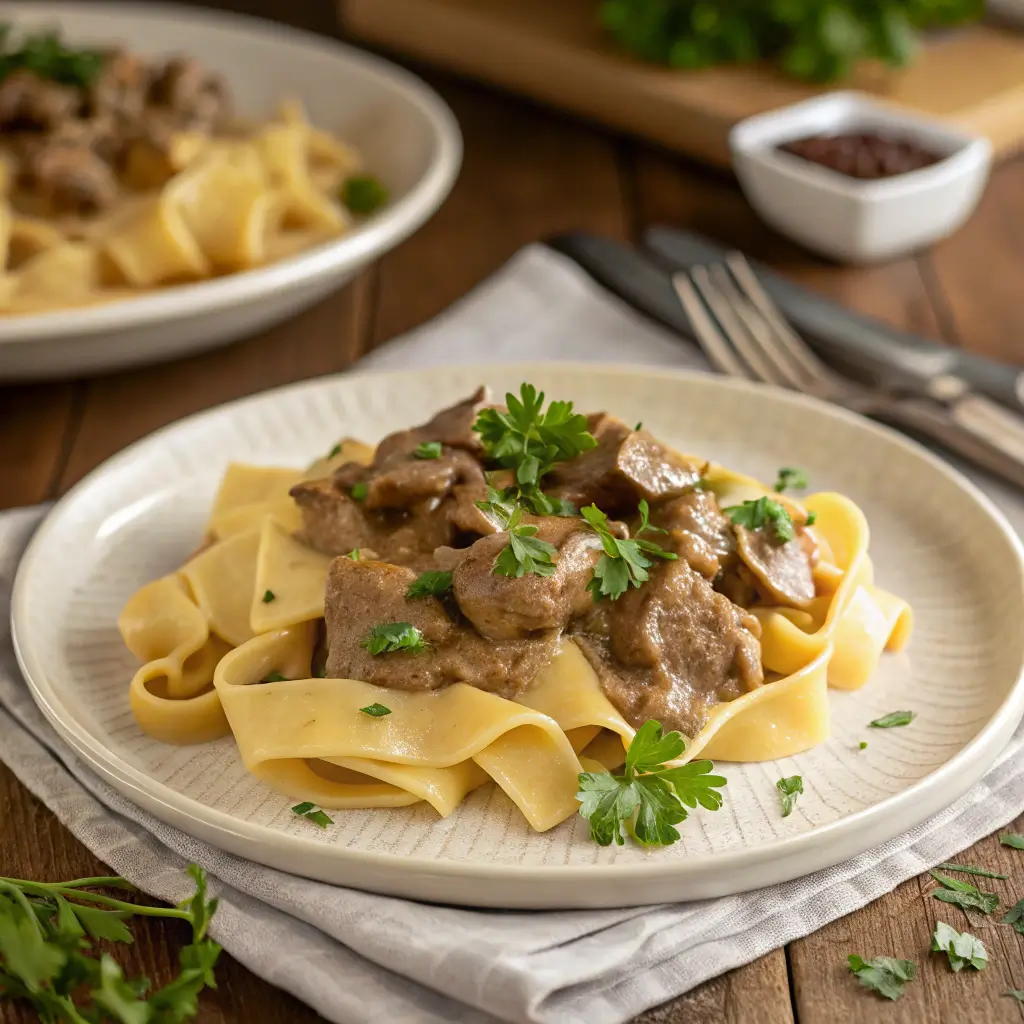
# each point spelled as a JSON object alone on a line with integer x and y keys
{"x": 976, "y": 274}
{"x": 558, "y": 53}
{"x": 901, "y": 925}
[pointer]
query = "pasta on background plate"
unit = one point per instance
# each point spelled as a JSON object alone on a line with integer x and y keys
{"x": 120, "y": 174}
{"x": 509, "y": 593}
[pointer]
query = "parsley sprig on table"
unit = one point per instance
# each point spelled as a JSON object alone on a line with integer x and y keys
{"x": 963, "y": 894}
{"x": 647, "y": 800}
{"x": 763, "y": 512}
{"x": 46, "y": 935}
{"x": 1015, "y": 917}
{"x": 624, "y": 563}
{"x": 962, "y": 948}
{"x": 525, "y": 552}
{"x": 883, "y": 974}
{"x": 388, "y": 637}
{"x": 530, "y": 440}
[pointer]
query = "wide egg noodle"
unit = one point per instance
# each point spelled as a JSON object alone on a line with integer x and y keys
{"x": 290, "y": 581}
{"x": 525, "y": 752}
{"x": 223, "y": 580}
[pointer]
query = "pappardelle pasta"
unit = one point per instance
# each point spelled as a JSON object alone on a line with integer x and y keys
{"x": 506, "y": 593}
{"x": 119, "y": 175}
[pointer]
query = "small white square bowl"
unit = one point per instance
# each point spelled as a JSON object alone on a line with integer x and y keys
{"x": 850, "y": 219}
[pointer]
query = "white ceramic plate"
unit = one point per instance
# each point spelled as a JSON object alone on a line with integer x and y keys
{"x": 935, "y": 540}
{"x": 406, "y": 133}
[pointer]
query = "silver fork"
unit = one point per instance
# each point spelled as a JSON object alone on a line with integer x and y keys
{"x": 744, "y": 334}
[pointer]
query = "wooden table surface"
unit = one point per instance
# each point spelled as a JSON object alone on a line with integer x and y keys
{"x": 530, "y": 173}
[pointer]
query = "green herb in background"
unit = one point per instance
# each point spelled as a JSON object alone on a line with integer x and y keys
{"x": 963, "y": 894}
{"x": 962, "y": 948}
{"x": 790, "y": 477}
{"x": 883, "y": 974}
{"x": 46, "y": 935}
{"x": 1015, "y": 917}
{"x": 816, "y": 40}
{"x": 967, "y": 869}
{"x": 44, "y": 54}
{"x": 363, "y": 194}
{"x": 1011, "y": 839}
{"x": 1017, "y": 994}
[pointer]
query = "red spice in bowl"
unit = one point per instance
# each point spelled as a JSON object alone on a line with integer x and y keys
{"x": 865, "y": 155}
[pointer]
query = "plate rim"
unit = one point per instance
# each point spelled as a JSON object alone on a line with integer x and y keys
{"x": 185, "y": 301}
{"x": 927, "y": 796}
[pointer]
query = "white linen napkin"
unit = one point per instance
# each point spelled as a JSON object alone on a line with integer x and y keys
{"x": 357, "y": 957}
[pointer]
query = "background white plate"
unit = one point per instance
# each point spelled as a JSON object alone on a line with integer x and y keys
{"x": 406, "y": 133}
{"x": 935, "y": 540}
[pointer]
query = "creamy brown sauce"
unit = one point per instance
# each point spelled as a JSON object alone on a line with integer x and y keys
{"x": 669, "y": 649}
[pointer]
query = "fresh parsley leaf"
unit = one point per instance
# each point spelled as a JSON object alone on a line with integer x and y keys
{"x": 432, "y": 583}
{"x": 524, "y": 553}
{"x": 529, "y": 439}
{"x": 967, "y": 869}
{"x": 962, "y": 948}
{"x": 268, "y": 596}
{"x": 309, "y": 811}
{"x": 883, "y": 974}
{"x": 101, "y": 924}
{"x": 363, "y": 193}
{"x": 388, "y": 637}
{"x": 762, "y": 513}
{"x": 863, "y": 745}
{"x": 790, "y": 788}
{"x": 624, "y": 563}
{"x": 353, "y": 554}
{"x": 376, "y": 710}
{"x": 336, "y": 450}
{"x": 1017, "y": 994}
{"x": 893, "y": 719}
{"x": 1011, "y": 839}
{"x": 647, "y": 800}
{"x": 359, "y": 490}
{"x": 790, "y": 477}
{"x": 963, "y": 894}
{"x": 274, "y": 677}
{"x": 1015, "y": 917}
{"x": 639, "y": 426}
{"x": 812, "y": 518}
{"x": 428, "y": 450}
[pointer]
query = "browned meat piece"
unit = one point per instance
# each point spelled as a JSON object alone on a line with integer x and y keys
{"x": 71, "y": 179}
{"x": 453, "y": 427}
{"x": 672, "y": 649}
{"x": 783, "y": 572}
{"x": 361, "y": 595}
{"x": 415, "y": 540}
{"x": 196, "y": 98}
{"x": 626, "y": 465}
{"x": 331, "y": 521}
{"x": 698, "y": 531}
{"x": 403, "y": 481}
{"x": 507, "y": 608}
{"x": 121, "y": 89}
{"x": 28, "y": 102}
{"x": 99, "y": 133}
{"x": 464, "y": 513}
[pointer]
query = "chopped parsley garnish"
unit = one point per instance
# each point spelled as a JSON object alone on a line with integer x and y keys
{"x": 624, "y": 563}
{"x": 963, "y": 894}
{"x": 336, "y": 450}
{"x": 647, "y": 800}
{"x": 433, "y": 583}
{"x": 353, "y": 554}
{"x": 268, "y": 596}
{"x": 359, "y": 490}
{"x": 376, "y": 710}
{"x": 962, "y": 948}
{"x": 883, "y": 974}
{"x": 47, "y": 931}
{"x": 1015, "y": 915}
{"x": 363, "y": 193}
{"x": 44, "y": 54}
{"x": 388, "y": 637}
{"x": 789, "y": 789}
{"x": 893, "y": 719}
{"x": 812, "y": 518}
{"x": 320, "y": 671}
{"x": 763, "y": 512}
{"x": 1011, "y": 839}
{"x": 530, "y": 440}
{"x": 275, "y": 677}
{"x": 428, "y": 450}
{"x": 525, "y": 553}
{"x": 968, "y": 869}
{"x": 639, "y": 426}
{"x": 863, "y": 745}
{"x": 789, "y": 477}
{"x": 308, "y": 811}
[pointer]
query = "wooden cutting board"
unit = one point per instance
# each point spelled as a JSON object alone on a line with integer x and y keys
{"x": 556, "y": 52}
